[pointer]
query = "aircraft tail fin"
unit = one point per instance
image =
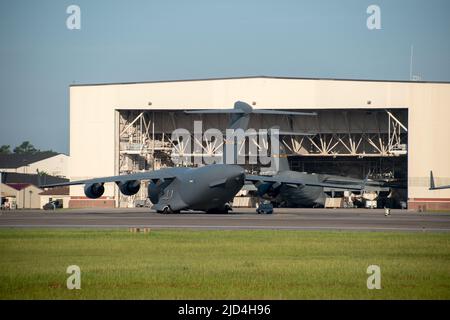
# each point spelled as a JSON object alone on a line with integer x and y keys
{"x": 280, "y": 160}
{"x": 283, "y": 164}
{"x": 240, "y": 117}
{"x": 432, "y": 185}
{"x": 363, "y": 186}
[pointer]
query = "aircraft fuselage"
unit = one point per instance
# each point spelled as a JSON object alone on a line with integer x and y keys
{"x": 204, "y": 188}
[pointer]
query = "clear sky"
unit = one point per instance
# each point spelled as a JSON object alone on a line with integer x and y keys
{"x": 127, "y": 41}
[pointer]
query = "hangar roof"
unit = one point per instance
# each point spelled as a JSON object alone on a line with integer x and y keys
{"x": 13, "y": 177}
{"x": 14, "y": 160}
{"x": 252, "y": 77}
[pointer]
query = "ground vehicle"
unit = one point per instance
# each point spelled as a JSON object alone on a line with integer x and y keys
{"x": 52, "y": 205}
{"x": 142, "y": 203}
{"x": 265, "y": 208}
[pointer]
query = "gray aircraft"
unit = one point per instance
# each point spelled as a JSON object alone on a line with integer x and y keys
{"x": 287, "y": 187}
{"x": 312, "y": 191}
{"x": 433, "y": 186}
{"x": 209, "y": 188}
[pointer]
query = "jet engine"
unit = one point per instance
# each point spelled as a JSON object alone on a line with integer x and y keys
{"x": 94, "y": 190}
{"x": 154, "y": 191}
{"x": 129, "y": 188}
{"x": 270, "y": 189}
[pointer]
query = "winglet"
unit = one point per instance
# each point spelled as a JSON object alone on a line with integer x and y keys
{"x": 432, "y": 185}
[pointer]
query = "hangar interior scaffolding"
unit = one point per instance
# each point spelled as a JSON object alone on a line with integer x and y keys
{"x": 145, "y": 139}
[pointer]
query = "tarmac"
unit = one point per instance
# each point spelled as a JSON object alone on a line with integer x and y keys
{"x": 240, "y": 218}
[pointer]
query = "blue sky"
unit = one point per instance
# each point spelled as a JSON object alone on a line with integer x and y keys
{"x": 135, "y": 40}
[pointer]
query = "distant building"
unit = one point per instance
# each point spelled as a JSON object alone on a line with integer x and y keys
{"x": 395, "y": 130}
{"x": 48, "y": 162}
{"x": 7, "y": 196}
{"x": 52, "y": 194}
{"x": 22, "y": 191}
{"x": 26, "y": 195}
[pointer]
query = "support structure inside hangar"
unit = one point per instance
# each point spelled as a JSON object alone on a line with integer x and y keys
{"x": 347, "y": 142}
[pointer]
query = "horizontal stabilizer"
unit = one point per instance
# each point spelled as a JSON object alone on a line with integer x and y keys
{"x": 282, "y": 133}
{"x": 214, "y": 111}
{"x": 258, "y": 111}
{"x": 244, "y": 108}
{"x": 280, "y": 112}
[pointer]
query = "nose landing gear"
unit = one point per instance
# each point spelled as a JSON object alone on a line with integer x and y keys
{"x": 167, "y": 210}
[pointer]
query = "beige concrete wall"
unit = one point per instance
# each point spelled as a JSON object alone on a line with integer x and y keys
{"x": 27, "y": 200}
{"x": 54, "y": 166}
{"x": 92, "y": 108}
{"x": 7, "y": 191}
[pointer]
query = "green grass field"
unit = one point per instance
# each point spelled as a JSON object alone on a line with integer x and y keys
{"x": 175, "y": 264}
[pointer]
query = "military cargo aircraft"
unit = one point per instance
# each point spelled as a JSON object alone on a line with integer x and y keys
{"x": 208, "y": 188}
{"x": 308, "y": 189}
{"x": 287, "y": 187}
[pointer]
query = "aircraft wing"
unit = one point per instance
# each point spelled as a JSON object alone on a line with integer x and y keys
{"x": 297, "y": 182}
{"x": 150, "y": 175}
{"x": 283, "y": 133}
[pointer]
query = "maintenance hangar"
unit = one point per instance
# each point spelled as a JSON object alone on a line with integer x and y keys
{"x": 395, "y": 131}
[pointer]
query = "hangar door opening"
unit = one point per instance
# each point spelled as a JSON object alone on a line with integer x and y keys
{"x": 355, "y": 143}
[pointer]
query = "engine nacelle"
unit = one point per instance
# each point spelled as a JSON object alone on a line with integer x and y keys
{"x": 154, "y": 191}
{"x": 94, "y": 190}
{"x": 263, "y": 188}
{"x": 129, "y": 188}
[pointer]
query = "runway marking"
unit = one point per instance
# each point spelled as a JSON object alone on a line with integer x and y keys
{"x": 221, "y": 227}
{"x": 258, "y": 218}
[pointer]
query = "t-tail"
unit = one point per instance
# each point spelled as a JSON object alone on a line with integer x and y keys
{"x": 433, "y": 185}
{"x": 239, "y": 120}
{"x": 280, "y": 160}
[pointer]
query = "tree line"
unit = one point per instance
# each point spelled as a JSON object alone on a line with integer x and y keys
{"x": 24, "y": 148}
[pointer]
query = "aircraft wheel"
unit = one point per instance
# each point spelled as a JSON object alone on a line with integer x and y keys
{"x": 166, "y": 210}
